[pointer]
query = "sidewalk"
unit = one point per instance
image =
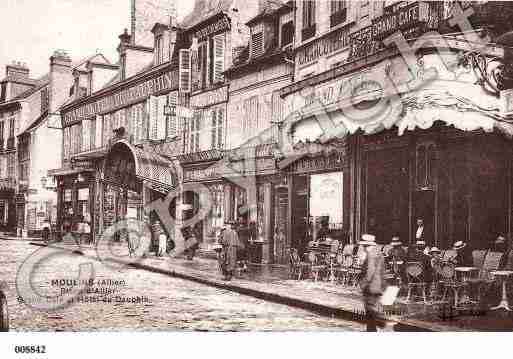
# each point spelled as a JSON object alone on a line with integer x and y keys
{"x": 12, "y": 237}
{"x": 271, "y": 282}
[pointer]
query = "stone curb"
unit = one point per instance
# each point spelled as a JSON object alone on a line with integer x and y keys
{"x": 405, "y": 325}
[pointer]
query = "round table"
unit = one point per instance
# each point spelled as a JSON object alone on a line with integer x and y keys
{"x": 503, "y": 276}
{"x": 466, "y": 273}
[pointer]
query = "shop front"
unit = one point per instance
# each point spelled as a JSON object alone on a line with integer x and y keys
{"x": 440, "y": 152}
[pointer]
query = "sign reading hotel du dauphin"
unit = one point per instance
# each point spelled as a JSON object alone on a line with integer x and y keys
{"x": 123, "y": 97}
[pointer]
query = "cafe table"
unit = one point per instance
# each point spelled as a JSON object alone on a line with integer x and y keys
{"x": 503, "y": 277}
{"x": 465, "y": 274}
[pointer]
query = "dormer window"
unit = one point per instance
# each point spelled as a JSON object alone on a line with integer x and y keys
{"x": 257, "y": 41}
{"x": 159, "y": 49}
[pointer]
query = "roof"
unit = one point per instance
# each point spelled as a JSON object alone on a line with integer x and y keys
{"x": 81, "y": 64}
{"x": 203, "y": 10}
{"x": 270, "y": 8}
{"x": 34, "y": 123}
{"x": 243, "y": 60}
{"x": 40, "y": 83}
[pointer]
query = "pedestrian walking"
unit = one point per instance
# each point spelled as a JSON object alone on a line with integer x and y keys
{"x": 229, "y": 241}
{"x": 46, "y": 234}
{"x": 162, "y": 244}
{"x": 372, "y": 282}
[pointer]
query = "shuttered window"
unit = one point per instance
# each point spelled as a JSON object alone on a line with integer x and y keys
{"x": 99, "y": 128}
{"x": 184, "y": 81}
{"x": 172, "y": 99}
{"x": 219, "y": 50}
{"x": 250, "y": 119}
{"x": 257, "y": 44}
{"x": 86, "y": 135}
{"x": 218, "y": 121}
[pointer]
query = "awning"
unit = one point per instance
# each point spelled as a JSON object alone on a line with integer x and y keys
{"x": 67, "y": 171}
{"x": 128, "y": 165}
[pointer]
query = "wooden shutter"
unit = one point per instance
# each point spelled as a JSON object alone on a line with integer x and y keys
{"x": 172, "y": 120}
{"x": 152, "y": 118}
{"x": 161, "y": 119}
{"x": 86, "y": 140}
{"x": 219, "y": 58}
{"x": 184, "y": 81}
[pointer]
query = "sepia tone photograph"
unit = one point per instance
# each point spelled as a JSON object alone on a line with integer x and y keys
{"x": 255, "y": 166}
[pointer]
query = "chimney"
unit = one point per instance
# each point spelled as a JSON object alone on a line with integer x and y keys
{"x": 17, "y": 70}
{"x": 61, "y": 79}
{"x": 125, "y": 38}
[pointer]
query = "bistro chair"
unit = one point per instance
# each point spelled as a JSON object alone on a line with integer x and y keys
{"x": 355, "y": 271}
{"x": 342, "y": 272}
{"x": 509, "y": 264}
{"x": 414, "y": 272}
{"x": 484, "y": 279}
{"x": 449, "y": 283}
{"x": 478, "y": 258}
{"x": 316, "y": 266}
{"x": 297, "y": 267}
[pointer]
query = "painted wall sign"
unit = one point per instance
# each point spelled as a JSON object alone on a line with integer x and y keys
{"x": 124, "y": 97}
{"x": 210, "y": 98}
{"x": 324, "y": 46}
{"x": 407, "y": 19}
{"x": 220, "y": 25}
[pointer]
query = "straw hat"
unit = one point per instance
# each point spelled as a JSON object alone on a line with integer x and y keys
{"x": 396, "y": 242}
{"x": 435, "y": 250}
{"x": 420, "y": 243}
{"x": 500, "y": 240}
{"x": 459, "y": 245}
{"x": 368, "y": 240}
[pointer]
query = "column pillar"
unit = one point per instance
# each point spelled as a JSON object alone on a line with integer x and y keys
{"x": 268, "y": 228}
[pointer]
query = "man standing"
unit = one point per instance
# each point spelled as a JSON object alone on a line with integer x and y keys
{"x": 372, "y": 281}
{"x": 229, "y": 241}
{"x": 422, "y": 233}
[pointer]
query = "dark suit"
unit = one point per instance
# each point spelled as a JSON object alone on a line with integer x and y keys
{"x": 372, "y": 285}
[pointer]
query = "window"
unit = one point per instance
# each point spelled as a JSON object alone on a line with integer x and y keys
{"x": 184, "y": 79}
{"x": 159, "y": 50}
{"x": 425, "y": 165}
{"x": 250, "y": 120}
{"x": 308, "y": 19}
{"x": 1, "y": 135}
{"x": 172, "y": 100}
{"x": 67, "y": 142}
{"x": 157, "y": 130}
{"x": 192, "y": 133}
{"x": 287, "y": 33}
{"x": 45, "y": 100}
{"x": 11, "y": 165}
{"x": 217, "y": 128}
{"x": 326, "y": 198}
{"x": 257, "y": 41}
{"x": 338, "y": 12}
{"x": 10, "y": 139}
{"x": 123, "y": 66}
{"x": 86, "y": 135}
{"x": 3, "y": 92}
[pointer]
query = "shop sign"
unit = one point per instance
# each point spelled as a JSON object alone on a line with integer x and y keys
{"x": 324, "y": 46}
{"x": 371, "y": 81}
{"x": 408, "y": 19}
{"x": 200, "y": 174}
{"x": 210, "y": 98}
{"x": 124, "y": 97}
{"x": 82, "y": 165}
{"x": 220, "y": 25}
{"x": 83, "y": 194}
{"x": 319, "y": 163}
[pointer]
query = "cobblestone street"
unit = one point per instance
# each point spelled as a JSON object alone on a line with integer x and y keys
{"x": 174, "y": 304}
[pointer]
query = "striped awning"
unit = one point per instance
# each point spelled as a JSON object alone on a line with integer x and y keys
{"x": 128, "y": 165}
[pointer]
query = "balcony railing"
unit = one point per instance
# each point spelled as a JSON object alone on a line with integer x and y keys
{"x": 338, "y": 18}
{"x": 308, "y": 32}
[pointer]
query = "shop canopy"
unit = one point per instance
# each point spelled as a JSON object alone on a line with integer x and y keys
{"x": 127, "y": 166}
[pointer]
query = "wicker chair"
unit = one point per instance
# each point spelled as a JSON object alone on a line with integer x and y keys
{"x": 317, "y": 267}
{"x": 478, "y": 258}
{"x": 449, "y": 283}
{"x": 345, "y": 264}
{"x": 414, "y": 271}
{"x": 297, "y": 267}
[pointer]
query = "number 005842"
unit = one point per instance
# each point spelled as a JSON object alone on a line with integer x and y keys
{"x": 30, "y": 349}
